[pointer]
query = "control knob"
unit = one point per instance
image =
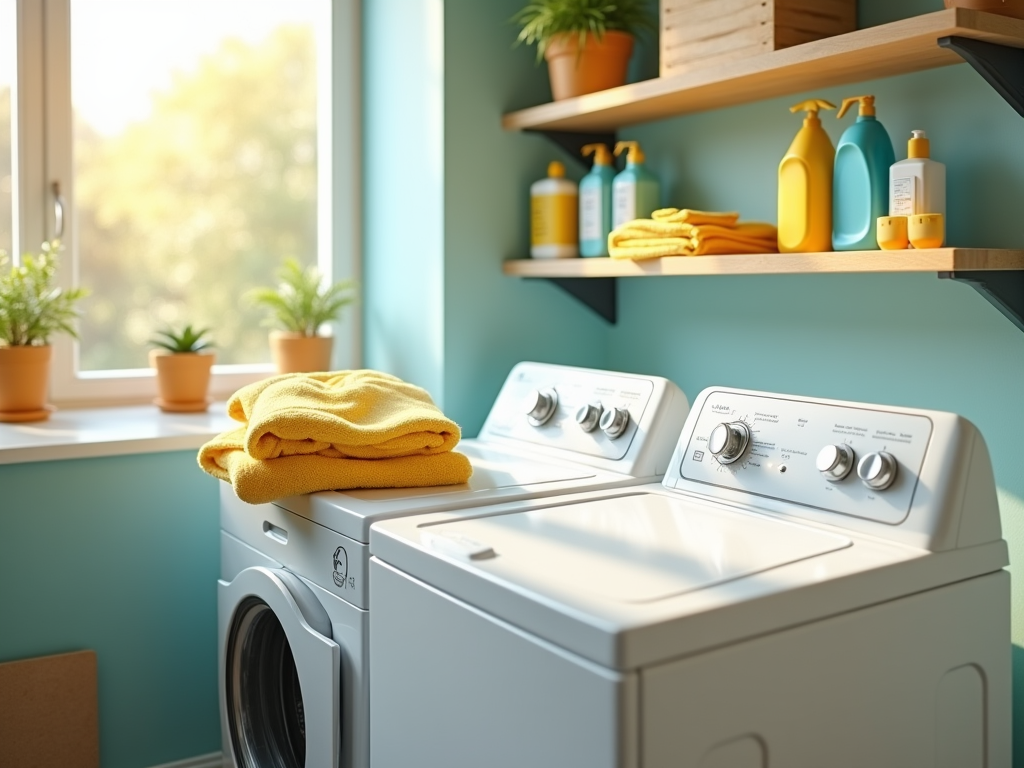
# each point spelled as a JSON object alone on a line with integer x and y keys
{"x": 540, "y": 406}
{"x": 589, "y": 416}
{"x": 728, "y": 441}
{"x": 835, "y": 462}
{"x": 877, "y": 470}
{"x": 614, "y": 422}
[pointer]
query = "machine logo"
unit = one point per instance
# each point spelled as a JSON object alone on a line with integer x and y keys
{"x": 341, "y": 567}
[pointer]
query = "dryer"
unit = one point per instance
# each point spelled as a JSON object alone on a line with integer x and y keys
{"x": 293, "y": 601}
{"x": 814, "y": 583}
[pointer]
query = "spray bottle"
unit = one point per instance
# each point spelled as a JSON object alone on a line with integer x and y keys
{"x": 805, "y": 185}
{"x": 636, "y": 193}
{"x": 596, "y": 202}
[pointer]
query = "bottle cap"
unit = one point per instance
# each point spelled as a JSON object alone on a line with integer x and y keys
{"x": 918, "y": 146}
{"x": 556, "y": 170}
{"x": 636, "y": 155}
{"x": 600, "y": 152}
{"x": 867, "y": 106}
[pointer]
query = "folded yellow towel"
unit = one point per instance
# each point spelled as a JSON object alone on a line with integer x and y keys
{"x": 673, "y": 233}
{"x": 688, "y": 216}
{"x": 348, "y": 429}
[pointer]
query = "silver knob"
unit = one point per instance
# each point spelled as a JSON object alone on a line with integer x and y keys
{"x": 877, "y": 470}
{"x": 540, "y": 406}
{"x": 588, "y": 416}
{"x": 835, "y": 462}
{"x": 614, "y": 422}
{"x": 728, "y": 441}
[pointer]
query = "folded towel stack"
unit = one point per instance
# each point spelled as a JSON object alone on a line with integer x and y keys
{"x": 674, "y": 232}
{"x": 309, "y": 432}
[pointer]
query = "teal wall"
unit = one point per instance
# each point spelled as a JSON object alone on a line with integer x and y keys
{"x": 120, "y": 555}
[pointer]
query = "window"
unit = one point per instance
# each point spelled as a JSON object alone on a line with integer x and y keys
{"x": 180, "y": 149}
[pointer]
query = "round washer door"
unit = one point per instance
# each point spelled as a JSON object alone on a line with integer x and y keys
{"x": 280, "y": 673}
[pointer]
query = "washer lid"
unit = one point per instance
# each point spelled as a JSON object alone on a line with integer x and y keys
{"x": 635, "y": 548}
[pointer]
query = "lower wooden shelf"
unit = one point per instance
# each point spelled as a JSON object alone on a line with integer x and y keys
{"x": 998, "y": 274}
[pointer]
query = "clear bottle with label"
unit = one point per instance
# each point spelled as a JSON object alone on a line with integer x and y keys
{"x": 636, "y": 193}
{"x": 917, "y": 185}
{"x": 596, "y": 202}
{"x": 554, "y": 212}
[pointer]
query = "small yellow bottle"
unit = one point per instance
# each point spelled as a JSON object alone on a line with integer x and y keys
{"x": 805, "y": 185}
{"x": 554, "y": 216}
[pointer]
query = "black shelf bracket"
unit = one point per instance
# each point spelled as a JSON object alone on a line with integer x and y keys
{"x": 598, "y": 293}
{"x": 573, "y": 142}
{"x": 1000, "y": 65}
{"x": 1003, "y": 288}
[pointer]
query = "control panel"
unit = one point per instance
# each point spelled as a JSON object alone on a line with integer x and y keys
{"x": 850, "y": 460}
{"x": 585, "y": 411}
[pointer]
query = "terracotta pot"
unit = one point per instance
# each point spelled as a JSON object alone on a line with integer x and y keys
{"x": 24, "y": 376}
{"x": 1013, "y": 8}
{"x": 600, "y": 65}
{"x": 295, "y": 353}
{"x": 182, "y": 380}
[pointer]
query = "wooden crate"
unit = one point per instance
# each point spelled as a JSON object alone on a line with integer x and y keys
{"x": 702, "y": 33}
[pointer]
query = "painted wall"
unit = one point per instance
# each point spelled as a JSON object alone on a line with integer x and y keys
{"x": 120, "y": 555}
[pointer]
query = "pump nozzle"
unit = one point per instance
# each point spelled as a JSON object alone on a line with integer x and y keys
{"x": 635, "y": 155}
{"x": 811, "y": 106}
{"x": 867, "y": 106}
{"x": 600, "y": 152}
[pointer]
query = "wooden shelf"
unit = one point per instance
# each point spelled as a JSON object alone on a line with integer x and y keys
{"x": 932, "y": 260}
{"x": 909, "y": 45}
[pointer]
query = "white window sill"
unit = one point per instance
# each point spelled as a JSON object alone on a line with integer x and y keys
{"x": 93, "y": 432}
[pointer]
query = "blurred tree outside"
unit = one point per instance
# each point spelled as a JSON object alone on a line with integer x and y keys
{"x": 179, "y": 215}
{"x": 6, "y": 158}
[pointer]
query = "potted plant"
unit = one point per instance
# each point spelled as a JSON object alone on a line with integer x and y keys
{"x": 32, "y": 309}
{"x": 183, "y": 363}
{"x": 587, "y": 43}
{"x": 299, "y": 307}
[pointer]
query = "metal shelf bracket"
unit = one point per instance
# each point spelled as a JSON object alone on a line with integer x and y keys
{"x": 1003, "y": 288}
{"x": 598, "y": 293}
{"x": 1000, "y": 65}
{"x": 573, "y": 142}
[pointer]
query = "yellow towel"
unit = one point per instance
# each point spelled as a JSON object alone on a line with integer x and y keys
{"x": 688, "y": 216}
{"x": 669, "y": 235}
{"x": 348, "y": 429}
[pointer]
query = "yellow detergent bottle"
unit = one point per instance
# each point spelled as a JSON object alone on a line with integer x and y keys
{"x": 554, "y": 213}
{"x": 805, "y": 185}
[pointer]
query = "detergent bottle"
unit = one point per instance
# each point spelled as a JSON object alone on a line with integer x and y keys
{"x": 554, "y": 215}
{"x": 917, "y": 185}
{"x": 596, "y": 202}
{"x": 805, "y": 185}
{"x": 860, "y": 186}
{"x": 636, "y": 193}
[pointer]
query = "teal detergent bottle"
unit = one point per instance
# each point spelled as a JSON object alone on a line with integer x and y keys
{"x": 596, "y": 202}
{"x": 860, "y": 183}
{"x": 636, "y": 193}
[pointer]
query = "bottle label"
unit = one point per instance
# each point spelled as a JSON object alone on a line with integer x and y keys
{"x": 904, "y": 199}
{"x": 553, "y": 220}
{"x": 591, "y": 214}
{"x": 623, "y": 203}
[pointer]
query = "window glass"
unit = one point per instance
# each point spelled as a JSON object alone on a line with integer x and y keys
{"x": 195, "y": 165}
{"x": 8, "y": 57}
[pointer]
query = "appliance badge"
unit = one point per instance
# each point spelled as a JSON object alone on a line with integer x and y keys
{"x": 341, "y": 568}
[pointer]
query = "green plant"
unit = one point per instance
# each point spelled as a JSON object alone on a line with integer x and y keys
{"x": 543, "y": 19}
{"x": 31, "y": 308}
{"x": 301, "y": 303}
{"x": 189, "y": 340}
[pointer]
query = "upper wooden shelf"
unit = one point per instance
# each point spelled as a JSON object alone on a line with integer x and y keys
{"x": 891, "y": 49}
{"x": 931, "y": 260}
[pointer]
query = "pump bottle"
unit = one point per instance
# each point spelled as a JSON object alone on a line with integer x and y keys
{"x": 636, "y": 193}
{"x": 596, "y": 202}
{"x": 860, "y": 186}
{"x": 805, "y": 185}
{"x": 918, "y": 184}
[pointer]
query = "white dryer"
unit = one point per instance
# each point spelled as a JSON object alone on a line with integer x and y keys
{"x": 293, "y": 596}
{"x": 815, "y": 583}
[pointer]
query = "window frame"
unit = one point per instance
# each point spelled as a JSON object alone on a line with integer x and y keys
{"x": 43, "y": 140}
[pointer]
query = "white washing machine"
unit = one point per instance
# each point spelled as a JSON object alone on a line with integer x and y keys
{"x": 293, "y": 596}
{"x": 815, "y": 583}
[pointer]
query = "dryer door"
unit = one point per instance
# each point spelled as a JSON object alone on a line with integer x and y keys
{"x": 280, "y": 673}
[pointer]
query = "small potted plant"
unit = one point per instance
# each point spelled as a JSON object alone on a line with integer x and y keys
{"x": 298, "y": 308}
{"x": 587, "y": 43}
{"x": 183, "y": 363}
{"x": 32, "y": 309}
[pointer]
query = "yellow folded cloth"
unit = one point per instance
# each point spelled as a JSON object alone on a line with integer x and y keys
{"x": 302, "y": 433}
{"x": 674, "y": 233}
{"x": 689, "y": 216}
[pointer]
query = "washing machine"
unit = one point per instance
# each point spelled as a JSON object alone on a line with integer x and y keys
{"x": 814, "y": 583}
{"x": 293, "y": 601}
